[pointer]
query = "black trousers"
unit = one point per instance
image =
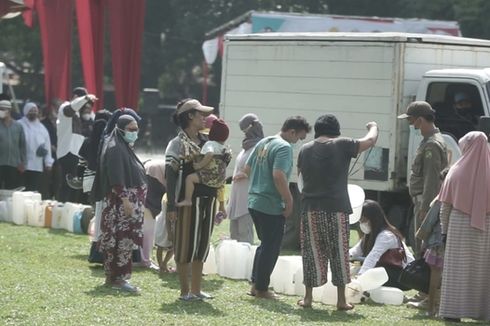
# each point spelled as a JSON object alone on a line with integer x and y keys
{"x": 68, "y": 165}
{"x": 270, "y": 229}
{"x": 10, "y": 177}
{"x": 33, "y": 181}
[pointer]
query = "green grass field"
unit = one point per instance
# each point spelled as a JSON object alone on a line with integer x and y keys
{"x": 45, "y": 279}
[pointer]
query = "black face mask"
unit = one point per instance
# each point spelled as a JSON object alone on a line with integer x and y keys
{"x": 32, "y": 117}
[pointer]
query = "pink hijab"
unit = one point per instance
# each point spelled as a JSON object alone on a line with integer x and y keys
{"x": 467, "y": 184}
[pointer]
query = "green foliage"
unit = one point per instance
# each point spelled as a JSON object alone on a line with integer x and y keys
{"x": 175, "y": 29}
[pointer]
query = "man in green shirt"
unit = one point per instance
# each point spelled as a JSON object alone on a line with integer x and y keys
{"x": 269, "y": 200}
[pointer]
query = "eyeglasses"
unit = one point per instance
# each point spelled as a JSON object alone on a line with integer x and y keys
{"x": 131, "y": 129}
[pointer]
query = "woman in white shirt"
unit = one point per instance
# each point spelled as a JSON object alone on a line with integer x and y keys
{"x": 381, "y": 245}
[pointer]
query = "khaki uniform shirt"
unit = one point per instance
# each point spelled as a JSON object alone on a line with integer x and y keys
{"x": 430, "y": 160}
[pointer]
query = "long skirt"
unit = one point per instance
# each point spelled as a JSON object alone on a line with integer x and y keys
{"x": 465, "y": 290}
{"x": 324, "y": 239}
{"x": 193, "y": 229}
{"x": 121, "y": 233}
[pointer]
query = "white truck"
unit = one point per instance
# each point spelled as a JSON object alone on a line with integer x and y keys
{"x": 358, "y": 77}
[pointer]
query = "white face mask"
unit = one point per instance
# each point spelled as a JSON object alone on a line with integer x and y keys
{"x": 365, "y": 227}
{"x": 3, "y": 114}
{"x": 86, "y": 116}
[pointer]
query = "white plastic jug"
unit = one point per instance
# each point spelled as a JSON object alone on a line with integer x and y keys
{"x": 353, "y": 292}
{"x": 373, "y": 278}
{"x": 387, "y": 295}
{"x": 356, "y": 197}
{"x": 209, "y": 267}
{"x": 68, "y": 215}
{"x": 318, "y": 292}
{"x": 250, "y": 265}
{"x": 3, "y": 210}
{"x": 299, "y": 287}
{"x": 34, "y": 212}
{"x": 240, "y": 261}
{"x": 57, "y": 216}
{"x": 223, "y": 257}
{"x": 329, "y": 293}
{"x": 19, "y": 214}
{"x": 282, "y": 277}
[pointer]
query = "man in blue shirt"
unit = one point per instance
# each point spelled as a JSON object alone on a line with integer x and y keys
{"x": 269, "y": 200}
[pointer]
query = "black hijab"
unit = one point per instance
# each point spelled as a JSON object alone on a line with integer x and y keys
{"x": 111, "y": 124}
{"x": 119, "y": 164}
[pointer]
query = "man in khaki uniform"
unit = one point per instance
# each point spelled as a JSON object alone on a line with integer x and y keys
{"x": 430, "y": 160}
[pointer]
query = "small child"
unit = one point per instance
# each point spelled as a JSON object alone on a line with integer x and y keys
{"x": 211, "y": 170}
{"x": 164, "y": 230}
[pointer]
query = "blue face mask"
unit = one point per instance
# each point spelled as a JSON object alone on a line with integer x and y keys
{"x": 130, "y": 136}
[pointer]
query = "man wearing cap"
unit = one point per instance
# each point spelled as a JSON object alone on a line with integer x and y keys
{"x": 70, "y": 139}
{"x": 12, "y": 149}
{"x": 430, "y": 159}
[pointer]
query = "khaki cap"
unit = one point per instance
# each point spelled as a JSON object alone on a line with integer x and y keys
{"x": 194, "y": 105}
{"x": 417, "y": 109}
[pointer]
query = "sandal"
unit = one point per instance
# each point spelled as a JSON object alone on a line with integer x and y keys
{"x": 126, "y": 287}
{"x": 204, "y": 296}
{"x": 302, "y": 304}
{"x": 190, "y": 297}
{"x": 345, "y": 308}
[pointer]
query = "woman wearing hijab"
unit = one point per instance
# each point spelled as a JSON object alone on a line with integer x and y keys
{"x": 38, "y": 148}
{"x": 193, "y": 224}
{"x": 241, "y": 224}
{"x": 465, "y": 224}
{"x": 123, "y": 181}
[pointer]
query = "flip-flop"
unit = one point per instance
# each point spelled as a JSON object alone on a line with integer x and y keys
{"x": 302, "y": 304}
{"x": 190, "y": 297}
{"x": 204, "y": 296}
{"x": 126, "y": 287}
{"x": 345, "y": 308}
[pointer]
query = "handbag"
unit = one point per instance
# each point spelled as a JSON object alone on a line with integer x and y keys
{"x": 393, "y": 257}
{"x": 416, "y": 275}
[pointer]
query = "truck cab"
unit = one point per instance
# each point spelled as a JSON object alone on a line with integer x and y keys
{"x": 444, "y": 89}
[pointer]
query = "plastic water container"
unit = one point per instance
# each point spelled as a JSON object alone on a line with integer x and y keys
{"x": 329, "y": 293}
{"x": 387, "y": 295}
{"x": 318, "y": 292}
{"x": 354, "y": 292}
{"x": 299, "y": 287}
{"x": 356, "y": 197}
{"x": 373, "y": 278}
{"x": 282, "y": 277}
{"x": 57, "y": 215}
{"x": 3, "y": 210}
{"x": 48, "y": 213}
{"x": 250, "y": 265}
{"x": 209, "y": 267}
{"x": 233, "y": 259}
{"x": 77, "y": 222}
{"x": 34, "y": 212}
{"x": 91, "y": 230}
{"x": 68, "y": 216}
{"x": 19, "y": 213}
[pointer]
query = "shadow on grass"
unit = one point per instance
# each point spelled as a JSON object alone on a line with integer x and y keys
{"x": 318, "y": 313}
{"x": 106, "y": 291}
{"x": 204, "y": 308}
{"x": 171, "y": 281}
